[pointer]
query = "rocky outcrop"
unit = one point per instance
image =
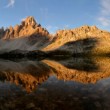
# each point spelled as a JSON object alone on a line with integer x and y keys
{"x": 85, "y": 39}
{"x": 28, "y": 27}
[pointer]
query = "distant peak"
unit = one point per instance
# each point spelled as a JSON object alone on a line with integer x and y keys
{"x": 29, "y": 21}
{"x": 28, "y": 27}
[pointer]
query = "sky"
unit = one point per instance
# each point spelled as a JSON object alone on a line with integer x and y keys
{"x": 57, "y": 14}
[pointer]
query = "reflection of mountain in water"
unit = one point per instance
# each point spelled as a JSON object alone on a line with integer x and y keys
{"x": 79, "y": 70}
{"x": 29, "y": 74}
{"x": 26, "y": 73}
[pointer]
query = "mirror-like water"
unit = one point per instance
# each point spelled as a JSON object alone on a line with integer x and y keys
{"x": 70, "y": 84}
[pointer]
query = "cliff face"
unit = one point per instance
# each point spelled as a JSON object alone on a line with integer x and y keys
{"x": 27, "y": 28}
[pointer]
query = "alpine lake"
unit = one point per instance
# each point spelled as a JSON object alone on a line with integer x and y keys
{"x": 55, "y": 84}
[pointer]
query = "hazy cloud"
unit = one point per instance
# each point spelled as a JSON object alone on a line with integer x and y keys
{"x": 10, "y": 4}
{"x": 105, "y": 7}
{"x": 104, "y": 21}
{"x": 104, "y": 17}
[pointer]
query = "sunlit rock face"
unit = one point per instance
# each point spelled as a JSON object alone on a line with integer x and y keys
{"x": 64, "y": 36}
{"x": 28, "y": 36}
{"x": 27, "y": 28}
{"x": 85, "y": 39}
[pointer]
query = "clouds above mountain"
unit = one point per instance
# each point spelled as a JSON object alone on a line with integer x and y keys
{"x": 10, "y": 3}
{"x": 104, "y": 16}
{"x": 105, "y": 7}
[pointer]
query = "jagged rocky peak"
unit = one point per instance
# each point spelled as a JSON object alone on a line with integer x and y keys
{"x": 87, "y": 28}
{"x": 84, "y": 28}
{"x": 82, "y": 31}
{"x": 28, "y": 27}
{"x": 29, "y": 21}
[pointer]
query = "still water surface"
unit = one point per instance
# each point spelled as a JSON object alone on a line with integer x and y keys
{"x": 67, "y": 84}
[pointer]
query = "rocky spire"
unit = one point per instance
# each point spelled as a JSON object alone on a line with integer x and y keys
{"x": 29, "y": 21}
{"x": 28, "y": 27}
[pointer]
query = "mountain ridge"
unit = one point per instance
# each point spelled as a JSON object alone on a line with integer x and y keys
{"x": 27, "y": 28}
{"x": 31, "y": 36}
